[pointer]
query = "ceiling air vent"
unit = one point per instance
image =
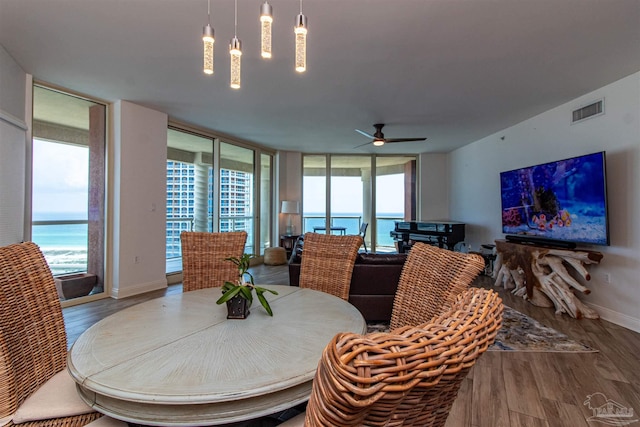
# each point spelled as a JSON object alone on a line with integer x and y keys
{"x": 588, "y": 111}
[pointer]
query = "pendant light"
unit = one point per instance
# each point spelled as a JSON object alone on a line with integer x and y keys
{"x": 208, "y": 40}
{"x": 235, "y": 49}
{"x": 300, "y": 31}
{"x": 266, "y": 19}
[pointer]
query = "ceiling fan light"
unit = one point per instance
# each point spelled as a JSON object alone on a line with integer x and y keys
{"x": 208, "y": 41}
{"x": 378, "y": 142}
{"x": 266, "y": 19}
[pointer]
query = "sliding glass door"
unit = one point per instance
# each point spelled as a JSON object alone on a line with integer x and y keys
{"x": 237, "y": 191}
{"x": 216, "y": 186}
{"x": 189, "y": 190}
{"x": 350, "y": 193}
{"x": 396, "y": 197}
{"x": 377, "y": 190}
{"x": 314, "y": 193}
{"x": 68, "y": 189}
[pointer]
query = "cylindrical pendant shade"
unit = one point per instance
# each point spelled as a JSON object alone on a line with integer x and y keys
{"x": 235, "y": 49}
{"x": 301, "y": 43}
{"x": 208, "y": 41}
{"x": 266, "y": 19}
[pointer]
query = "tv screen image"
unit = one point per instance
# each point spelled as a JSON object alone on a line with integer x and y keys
{"x": 565, "y": 200}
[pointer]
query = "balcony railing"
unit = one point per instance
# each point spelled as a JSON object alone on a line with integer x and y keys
{"x": 176, "y": 225}
{"x": 64, "y": 244}
{"x": 384, "y": 225}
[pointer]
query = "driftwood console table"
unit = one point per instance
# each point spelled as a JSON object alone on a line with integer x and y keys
{"x": 540, "y": 275}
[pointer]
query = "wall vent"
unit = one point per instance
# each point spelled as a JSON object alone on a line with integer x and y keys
{"x": 588, "y": 111}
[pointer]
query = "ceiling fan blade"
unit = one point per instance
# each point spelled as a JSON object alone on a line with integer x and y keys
{"x": 364, "y": 133}
{"x": 362, "y": 145}
{"x": 403, "y": 139}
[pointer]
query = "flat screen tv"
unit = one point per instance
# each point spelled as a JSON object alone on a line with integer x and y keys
{"x": 562, "y": 202}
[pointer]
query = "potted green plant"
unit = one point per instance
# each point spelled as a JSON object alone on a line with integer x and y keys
{"x": 239, "y": 295}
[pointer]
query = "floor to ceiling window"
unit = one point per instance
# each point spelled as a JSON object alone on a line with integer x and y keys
{"x": 228, "y": 188}
{"x": 237, "y": 191}
{"x": 377, "y": 190}
{"x": 189, "y": 190}
{"x": 68, "y": 191}
{"x": 314, "y": 193}
{"x": 350, "y": 196}
{"x": 395, "y": 196}
{"x": 266, "y": 202}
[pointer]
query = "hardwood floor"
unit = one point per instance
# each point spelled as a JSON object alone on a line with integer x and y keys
{"x": 550, "y": 389}
{"x": 504, "y": 388}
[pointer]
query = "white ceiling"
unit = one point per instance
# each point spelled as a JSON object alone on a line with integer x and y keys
{"x": 451, "y": 70}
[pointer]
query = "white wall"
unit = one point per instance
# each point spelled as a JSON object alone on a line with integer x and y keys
{"x": 475, "y": 185}
{"x": 289, "y": 188}
{"x": 434, "y": 187}
{"x": 13, "y": 149}
{"x": 138, "y": 209}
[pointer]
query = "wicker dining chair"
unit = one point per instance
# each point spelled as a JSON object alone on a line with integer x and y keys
{"x": 407, "y": 377}
{"x": 35, "y": 388}
{"x": 204, "y": 263}
{"x": 327, "y": 262}
{"x": 431, "y": 279}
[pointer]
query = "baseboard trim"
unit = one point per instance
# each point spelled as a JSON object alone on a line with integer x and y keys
{"x": 137, "y": 289}
{"x": 619, "y": 319}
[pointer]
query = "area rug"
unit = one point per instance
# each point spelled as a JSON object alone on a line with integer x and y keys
{"x": 520, "y": 332}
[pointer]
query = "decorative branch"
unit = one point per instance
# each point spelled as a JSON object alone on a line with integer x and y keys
{"x": 540, "y": 276}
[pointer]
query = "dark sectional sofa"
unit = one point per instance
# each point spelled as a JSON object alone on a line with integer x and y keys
{"x": 373, "y": 283}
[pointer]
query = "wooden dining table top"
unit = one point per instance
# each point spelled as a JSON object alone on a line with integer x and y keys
{"x": 177, "y": 360}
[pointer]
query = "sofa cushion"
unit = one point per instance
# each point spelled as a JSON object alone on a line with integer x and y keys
{"x": 375, "y": 279}
{"x": 57, "y": 398}
{"x": 381, "y": 258}
{"x": 373, "y": 307}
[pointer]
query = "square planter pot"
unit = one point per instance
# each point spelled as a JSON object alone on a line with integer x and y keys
{"x": 75, "y": 285}
{"x": 237, "y": 308}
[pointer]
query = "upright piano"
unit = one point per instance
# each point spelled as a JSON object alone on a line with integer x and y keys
{"x": 441, "y": 233}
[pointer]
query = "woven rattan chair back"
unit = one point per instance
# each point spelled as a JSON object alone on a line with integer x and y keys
{"x": 204, "y": 256}
{"x": 430, "y": 281}
{"x": 327, "y": 263}
{"x": 407, "y": 377}
{"x": 33, "y": 341}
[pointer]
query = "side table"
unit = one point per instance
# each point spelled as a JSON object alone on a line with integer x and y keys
{"x": 288, "y": 241}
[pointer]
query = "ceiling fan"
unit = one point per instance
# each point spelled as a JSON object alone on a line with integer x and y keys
{"x": 378, "y": 138}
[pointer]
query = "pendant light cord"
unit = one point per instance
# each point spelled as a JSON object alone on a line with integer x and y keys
{"x": 235, "y": 23}
{"x": 209, "y": 11}
{"x": 300, "y": 7}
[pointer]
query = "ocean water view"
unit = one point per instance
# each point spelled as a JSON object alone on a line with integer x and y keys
{"x": 352, "y": 221}
{"x": 64, "y": 245}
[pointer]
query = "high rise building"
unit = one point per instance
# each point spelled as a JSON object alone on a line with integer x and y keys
{"x": 183, "y": 196}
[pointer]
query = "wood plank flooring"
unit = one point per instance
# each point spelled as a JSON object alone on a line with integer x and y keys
{"x": 504, "y": 388}
{"x": 549, "y": 389}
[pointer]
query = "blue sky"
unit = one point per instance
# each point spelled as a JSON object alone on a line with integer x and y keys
{"x": 60, "y": 181}
{"x": 347, "y": 194}
{"x": 60, "y": 185}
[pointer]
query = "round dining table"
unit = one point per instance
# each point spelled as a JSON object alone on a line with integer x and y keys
{"x": 178, "y": 361}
